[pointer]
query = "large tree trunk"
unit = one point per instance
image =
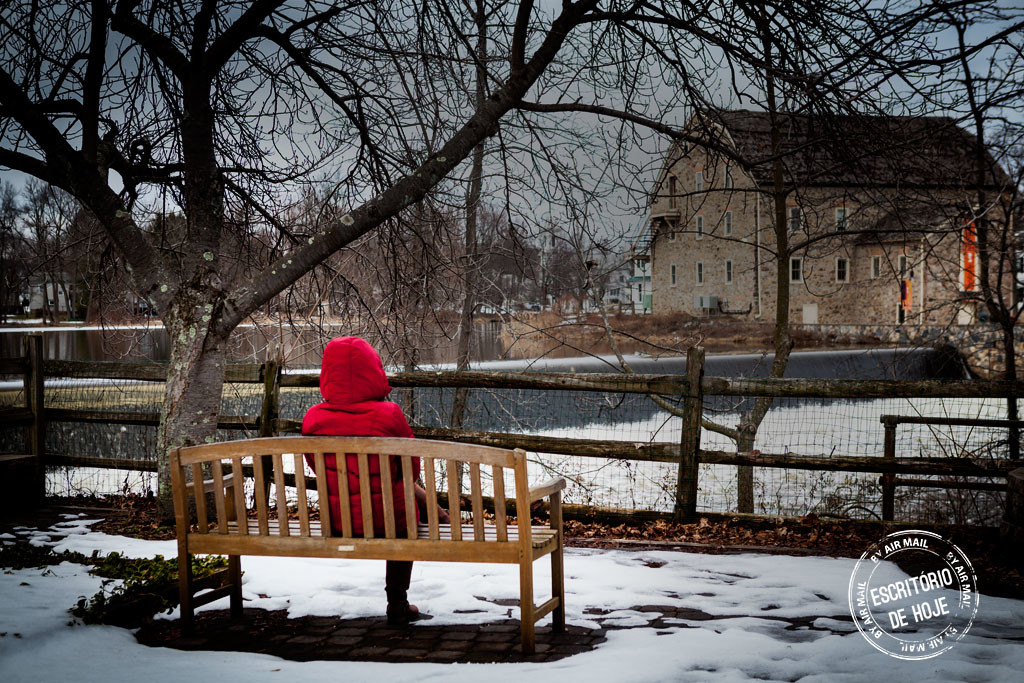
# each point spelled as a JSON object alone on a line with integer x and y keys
{"x": 750, "y": 421}
{"x": 192, "y": 393}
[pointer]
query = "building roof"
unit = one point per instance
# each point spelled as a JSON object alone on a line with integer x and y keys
{"x": 847, "y": 151}
{"x": 904, "y": 222}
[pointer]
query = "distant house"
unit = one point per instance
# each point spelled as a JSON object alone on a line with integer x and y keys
{"x": 881, "y": 209}
{"x": 615, "y": 286}
{"x": 50, "y": 293}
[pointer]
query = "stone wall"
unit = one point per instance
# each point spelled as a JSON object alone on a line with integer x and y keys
{"x": 980, "y": 345}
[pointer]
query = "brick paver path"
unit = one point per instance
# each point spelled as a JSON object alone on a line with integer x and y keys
{"x": 372, "y": 639}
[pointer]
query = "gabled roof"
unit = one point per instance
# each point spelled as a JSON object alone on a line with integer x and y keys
{"x": 854, "y": 151}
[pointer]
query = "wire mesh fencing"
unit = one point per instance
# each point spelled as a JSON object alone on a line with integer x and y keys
{"x": 630, "y": 424}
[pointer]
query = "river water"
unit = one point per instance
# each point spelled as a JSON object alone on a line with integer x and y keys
{"x": 302, "y": 347}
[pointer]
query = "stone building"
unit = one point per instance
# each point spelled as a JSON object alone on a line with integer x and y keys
{"x": 879, "y": 216}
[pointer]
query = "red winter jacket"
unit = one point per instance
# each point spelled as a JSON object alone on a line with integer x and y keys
{"x": 354, "y": 386}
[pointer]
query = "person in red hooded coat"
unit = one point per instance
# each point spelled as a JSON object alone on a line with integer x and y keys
{"x": 354, "y": 387}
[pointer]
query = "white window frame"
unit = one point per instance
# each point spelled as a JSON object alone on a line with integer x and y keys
{"x": 727, "y": 222}
{"x": 876, "y": 267}
{"x": 672, "y": 275}
{"x": 699, "y": 273}
{"x": 846, "y": 269}
{"x": 699, "y": 225}
{"x": 798, "y": 260}
{"x": 728, "y": 272}
{"x": 906, "y": 269}
{"x": 794, "y": 214}
{"x": 698, "y": 181}
{"x": 841, "y": 223}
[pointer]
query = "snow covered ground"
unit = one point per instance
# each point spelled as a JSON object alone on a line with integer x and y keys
{"x": 747, "y": 639}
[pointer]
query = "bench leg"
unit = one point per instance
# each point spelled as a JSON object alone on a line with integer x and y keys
{"x": 235, "y": 575}
{"x": 185, "y": 590}
{"x": 557, "y": 571}
{"x": 526, "y": 621}
{"x": 558, "y": 590}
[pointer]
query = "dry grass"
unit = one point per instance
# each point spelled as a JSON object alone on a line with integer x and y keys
{"x": 546, "y": 333}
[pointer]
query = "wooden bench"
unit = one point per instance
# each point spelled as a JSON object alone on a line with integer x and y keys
{"x": 233, "y": 527}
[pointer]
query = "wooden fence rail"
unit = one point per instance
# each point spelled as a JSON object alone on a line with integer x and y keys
{"x": 688, "y": 391}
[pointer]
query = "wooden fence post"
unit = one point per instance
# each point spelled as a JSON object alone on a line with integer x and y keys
{"x": 745, "y": 473}
{"x": 271, "y": 373}
{"x": 888, "y": 479}
{"x": 34, "y": 400}
{"x": 689, "y": 443}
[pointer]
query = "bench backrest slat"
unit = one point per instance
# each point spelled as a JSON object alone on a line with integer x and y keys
{"x": 454, "y": 496}
{"x": 477, "y": 496}
{"x": 218, "y": 496}
{"x": 197, "y": 488}
{"x": 408, "y": 487}
{"x": 384, "y": 461}
{"x": 430, "y": 484}
{"x": 320, "y": 470}
{"x": 366, "y": 502}
{"x": 341, "y": 463}
{"x": 500, "y": 521}
{"x": 262, "y": 515}
{"x": 300, "y": 494}
{"x": 282, "y": 500}
{"x": 239, "y": 486}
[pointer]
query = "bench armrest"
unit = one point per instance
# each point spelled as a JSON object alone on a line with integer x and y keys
{"x": 544, "y": 490}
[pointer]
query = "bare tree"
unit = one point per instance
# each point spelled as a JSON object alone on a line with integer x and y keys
{"x": 216, "y": 105}
{"x": 13, "y": 257}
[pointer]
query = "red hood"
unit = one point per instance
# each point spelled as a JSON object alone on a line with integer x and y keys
{"x": 352, "y": 373}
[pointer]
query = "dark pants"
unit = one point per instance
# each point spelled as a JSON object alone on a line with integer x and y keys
{"x": 397, "y": 576}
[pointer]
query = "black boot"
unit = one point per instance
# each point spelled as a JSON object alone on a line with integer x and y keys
{"x": 396, "y": 584}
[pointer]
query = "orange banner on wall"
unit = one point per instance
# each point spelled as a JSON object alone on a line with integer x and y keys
{"x": 907, "y": 298}
{"x": 970, "y": 257}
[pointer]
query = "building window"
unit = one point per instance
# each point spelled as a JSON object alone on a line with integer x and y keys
{"x": 794, "y": 218}
{"x": 700, "y": 273}
{"x": 876, "y": 267}
{"x": 700, "y": 227}
{"x": 906, "y": 272}
{"x": 842, "y": 270}
{"x": 728, "y": 272}
{"x": 672, "y": 274}
{"x": 672, "y": 192}
{"x": 796, "y": 269}
{"x": 727, "y": 220}
{"x": 728, "y": 177}
{"x": 671, "y": 233}
{"x": 698, "y": 181}
{"x": 840, "y": 219}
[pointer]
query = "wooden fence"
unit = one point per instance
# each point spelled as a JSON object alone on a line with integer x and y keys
{"x": 689, "y": 390}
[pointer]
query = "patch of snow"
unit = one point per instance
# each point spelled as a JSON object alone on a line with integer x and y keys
{"x": 747, "y": 633}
